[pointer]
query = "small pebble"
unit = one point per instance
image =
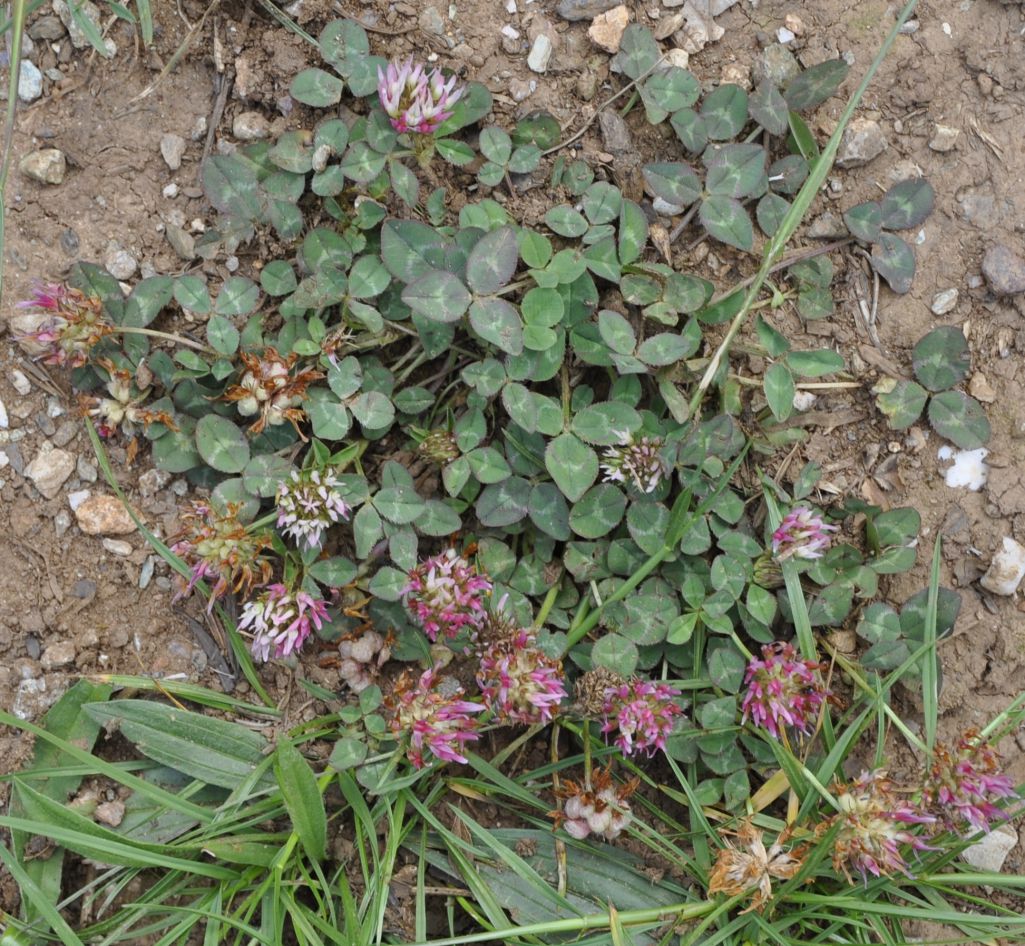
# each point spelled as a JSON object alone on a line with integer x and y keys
{"x": 170, "y": 190}
{"x": 1004, "y": 270}
{"x": 47, "y": 165}
{"x": 86, "y": 471}
{"x": 540, "y": 54}
{"x": 172, "y": 148}
{"x": 1006, "y": 570}
{"x": 61, "y": 523}
{"x": 4, "y": 419}
{"x": 944, "y": 138}
{"x": 118, "y": 547}
{"x": 944, "y": 302}
{"x": 78, "y": 497}
{"x": 250, "y": 126}
{"x": 30, "y": 81}
{"x": 146, "y": 573}
{"x": 58, "y": 655}
{"x": 110, "y": 813}
{"x": 119, "y": 262}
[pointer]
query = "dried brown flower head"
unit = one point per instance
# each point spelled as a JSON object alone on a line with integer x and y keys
{"x": 740, "y": 868}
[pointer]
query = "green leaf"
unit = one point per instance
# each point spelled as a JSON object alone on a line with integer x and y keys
{"x": 317, "y": 88}
{"x": 675, "y": 183}
{"x": 879, "y": 622}
{"x": 737, "y": 171}
{"x": 329, "y": 417}
{"x": 438, "y": 519}
{"x": 941, "y": 359}
{"x": 663, "y": 349}
{"x": 302, "y": 798}
{"x": 293, "y": 152}
{"x": 497, "y": 321}
{"x": 768, "y": 107}
{"x": 572, "y": 465}
{"x": 176, "y": 451}
{"x": 543, "y": 307}
{"x": 368, "y": 278}
{"x": 599, "y": 511}
{"x": 404, "y": 183}
{"x": 865, "y": 221}
{"x": 221, "y": 444}
{"x": 633, "y": 232}
{"x": 238, "y": 296}
{"x": 615, "y": 652}
{"x": 566, "y": 221}
{"x": 525, "y": 159}
{"x": 277, "y": 278}
{"x": 503, "y": 504}
{"x": 191, "y": 294}
{"x": 726, "y": 219}
{"x": 914, "y": 614}
{"x": 602, "y": 202}
{"x": 399, "y": 504}
{"x": 230, "y": 185}
{"x": 347, "y": 753}
{"x": 521, "y": 406}
{"x": 638, "y": 51}
{"x": 896, "y": 527}
{"x": 605, "y": 424}
{"x": 724, "y": 112}
{"x": 373, "y": 410}
{"x": 616, "y": 332}
{"x": 457, "y": 153}
{"x": 222, "y": 335}
{"x": 894, "y": 260}
{"x": 341, "y": 40}
{"x": 726, "y": 666}
{"x": 780, "y": 390}
{"x": 691, "y": 129}
{"x": 770, "y": 213}
{"x": 959, "y": 418}
{"x": 438, "y": 296}
{"x": 815, "y": 364}
{"x": 495, "y": 145}
{"x": 549, "y": 512}
{"x": 907, "y": 204}
{"x": 204, "y": 747}
{"x": 474, "y": 104}
{"x": 788, "y": 174}
{"x": 492, "y": 261}
{"x": 669, "y": 90}
{"x": 535, "y": 249}
{"x": 815, "y": 85}
{"x": 488, "y": 465}
{"x": 361, "y": 163}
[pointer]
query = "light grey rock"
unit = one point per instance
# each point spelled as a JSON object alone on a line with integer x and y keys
{"x": 1004, "y": 270}
{"x": 991, "y": 850}
{"x": 86, "y": 471}
{"x": 86, "y": 9}
{"x": 118, "y": 547}
{"x": 172, "y": 148}
{"x": 250, "y": 126}
{"x": 776, "y": 65}
{"x": 30, "y": 81}
{"x": 944, "y": 138}
{"x": 615, "y": 133}
{"x": 61, "y": 654}
{"x": 944, "y": 302}
{"x": 827, "y": 226}
{"x": 5, "y": 421}
{"x": 863, "y": 141}
{"x": 540, "y": 54}
{"x": 47, "y": 165}
{"x": 119, "y": 262}
{"x": 50, "y": 469}
{"x": 431, "y": 21}
{"x": 47, "y": 28}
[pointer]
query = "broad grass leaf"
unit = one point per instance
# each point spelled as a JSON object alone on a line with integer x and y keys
{"x": 303, "y": 801}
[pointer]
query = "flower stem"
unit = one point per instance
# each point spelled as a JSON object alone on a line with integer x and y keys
{"x": 167, "y": 336}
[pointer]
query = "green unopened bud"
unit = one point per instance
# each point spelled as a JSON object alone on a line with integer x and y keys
{"x": 439, "y": 446}
{"x": 767, "y": 571}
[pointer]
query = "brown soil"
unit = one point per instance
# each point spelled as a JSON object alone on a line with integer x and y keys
{"x": 963, "y": 67}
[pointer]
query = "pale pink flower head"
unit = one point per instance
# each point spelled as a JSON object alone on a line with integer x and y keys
{"x": 445, "y": 595}
{"x": 801, "y": 534}
{"x": 218, "y": 547}
{"x": 601, "y": 809}
{"x": 68, "y": 326}
{"x": 518, "y": 682}
{"x": 874, "y": 827}
{"x": 280, "y": 621}
{"x": 962, "y": 786}
{"x": 783, "y": 690}
{"x": 637, "y": 461}
{"x": 642, "y": 713}
{"x": 434, "y": 716}
{"x": 308, "y": 503}
{"x": 414, "y": 101}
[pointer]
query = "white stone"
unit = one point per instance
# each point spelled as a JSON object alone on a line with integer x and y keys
{"x": 510, "y": 32}
{"x": 47, "y": 165}
{"x": 172, "y": 147}
{"x": 944, "y": 138}
{"x": 968, "y": 471}
{"x": 170, "y": 190}
{"x": 119, "y": 262}
{"x": 22, "y": 384}
{"x": 50, "y": 469}
{"x": 991, "y": 850}
{"x": 666, "y": 209}
{"x": 118, "y": 547}
{"x": 57, "y": 655}
{"x": 944, "y": 302}
{"x": 784, "y": 35}
{"x": 4, "y": 420}
{"x": 540, "y": 54}
{"x": 86, "y": 8}
{"x": 803, "y": 400}
{"x": 1006, "y": 570}
{"x": 78, "y": 497}
{"x": 250, "y": 126}
{"x": 30, "y": 81}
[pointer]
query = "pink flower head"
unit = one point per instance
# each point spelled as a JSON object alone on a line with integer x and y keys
{"x": 69, "y": 325}
{"x": 415, "y": 101}
{"x": 636, "y": 461}
{"x": 519, "y": 683}
{"x": 220, "y": 548}
{"x": 783, "y": 690}
{"x": 280, "y": 621}
{"x": 962, "y": 786}
{"x": 445, "y": 594}
{"x": 873, "y": 828}
{"x": 801, "y": 534}
{"x": 642, "y": 713}
{"x": 440, "y": 723}
{"x": 308, "y": 503}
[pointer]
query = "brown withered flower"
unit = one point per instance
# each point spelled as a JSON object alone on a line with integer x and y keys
{"x": 123, "y": 409}
{"x": 739, "y": 868}
{"x": 271, "y": 390}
